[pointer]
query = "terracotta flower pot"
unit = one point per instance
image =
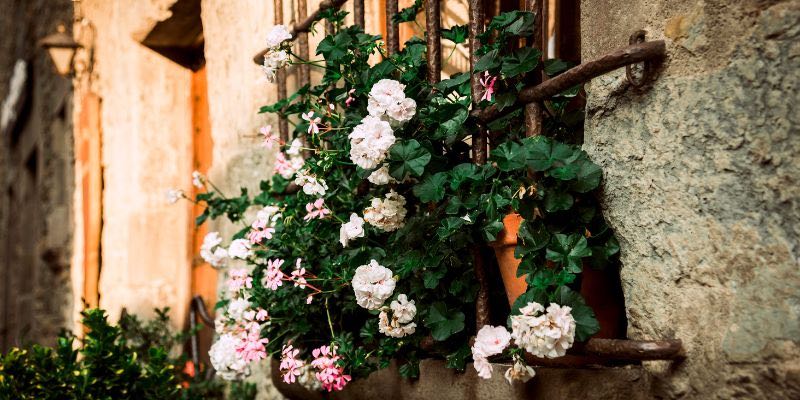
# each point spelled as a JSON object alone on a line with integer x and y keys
{"x": 504, "y": 251}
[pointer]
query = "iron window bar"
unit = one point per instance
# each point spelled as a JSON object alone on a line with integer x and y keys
{"x": 638, "y": 52}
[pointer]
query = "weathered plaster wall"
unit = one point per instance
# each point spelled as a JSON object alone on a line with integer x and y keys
{"x": 147, "y": 148}
{"x": 35, "y": 181}
{"x": 701, "y": 185}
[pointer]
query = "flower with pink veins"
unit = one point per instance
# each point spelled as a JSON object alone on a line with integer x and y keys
{"x": 239, "y": 279}
{"x": 488, "y": 82}
{"x": 330, "y": 375}
{"x": 269, "y": 137}
{"x": 291, "y": 366}
{"x": 316, "y": 209}
{"x": 298, "y": 275}
{"x": 252, "y": 347}
{"x": 273, "y": 277}
{"x": 312, "y": 122}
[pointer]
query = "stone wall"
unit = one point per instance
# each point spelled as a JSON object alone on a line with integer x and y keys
{"x": 701, "y": 185}
{"x": 36, "y": 181}
{"x": 147, "y": 149}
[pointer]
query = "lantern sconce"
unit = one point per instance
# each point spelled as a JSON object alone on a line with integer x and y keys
{"x": 63, "y": 47}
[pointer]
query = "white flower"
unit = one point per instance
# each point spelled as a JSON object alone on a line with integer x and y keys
{"x": 225, "y": 360}
{"x": 240, "y": 248}
{"x": 388, "y": 214}
{"x": 399, "y": 325}
{"x": 295, "y": 147}
{"x": 277, "y": 35}
{"x": 547, "y": 334}
{"x": 490, "y": 340}
{"x": 269, "y": 214}
{"x": 198, "y": 180}
{"x": 402, "y": 111}
{"x": 381, "y": 176}
{"x": 273, "y": 61}
{"x": 388, "y": 99}
{"x": 211, "y": 251}
{"x": 311, "y": 185}
{"x": 393, "y": 328}
{"x": 483, "y": 367}
{"x": 173, "y": 195}
{"x": 351, "y": 230}
{"x": 404, "y": 310}
{"x": 370, "y": 142}
{"x": 519, "y": 372}
{"x": 373, "y": 284}
{"x": 236, "y": 308}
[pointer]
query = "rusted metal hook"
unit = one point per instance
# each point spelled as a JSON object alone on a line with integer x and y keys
{"x": 647, "y": 67}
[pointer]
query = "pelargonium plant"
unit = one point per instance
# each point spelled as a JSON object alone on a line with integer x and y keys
{"x": 357, "y": 251}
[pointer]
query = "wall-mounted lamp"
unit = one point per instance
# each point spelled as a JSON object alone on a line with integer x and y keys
{"x": 62, "y": 47}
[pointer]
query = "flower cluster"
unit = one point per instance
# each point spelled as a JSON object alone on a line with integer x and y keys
{"x": 240, "y": 248}
{"x": 275, "y": 57}
{"x": 329, "y": 373}
{"x": 311, "y": 185}
{"x": 264, "y": 225}
{"x": 543, "y": 334}
{"x": 351, "y": 229}
{"x": 388, "y": 214}
{"x": 287, "y": 167}
{"x": 491, "y": 340}
{"x": 239, "y": 328}
{"x": 399, "y": 324}
{"x": 373, "y": 284}
{"x": 290, "y": 366}
{"x": 388, "y": 101}
{"x": 381, "y": 176}
{"x": 370, "y": 142}
{"x": 211, "y": 251}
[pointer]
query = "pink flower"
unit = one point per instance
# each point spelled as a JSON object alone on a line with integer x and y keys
{"x": 309, "y": 299}
{"x": 239, "y": 279}
{"x": 350, "y": 98}
{"x": 252, "y": 347}
{"x": 260, "y": 232}
{"x": 282, "y": 165}
{"x": 330, "y": 375}
{"x": 262, "y": 315}
{"x": 290, "y": 364}
{"x": 316, "y": 210}
{"x": 273, "y": 276}
{"x": 312, "y": 122}
{"x": 488, "y": 83}
{"x": 269, "y": 138}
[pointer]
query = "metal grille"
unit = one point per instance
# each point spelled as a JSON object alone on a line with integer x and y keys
{"x": 532, "y": 97}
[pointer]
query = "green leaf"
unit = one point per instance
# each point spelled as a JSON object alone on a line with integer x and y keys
{"x": 522, "y": 61}
{"x": 488, "y": 61}
{"x": 586, "y": 323}
{"x": 461, "y": 173}
{"x": 334, "y": 48}
{"x": 568, "y": 250}
{"x": 555, "y": 200}
{"x": 492, "y": 229}
{"x": 443, "y": 322}
{"x": 458, "y": 359}
{"x": 408, "y": 14}
{"x": 457, "y": 34}
{"x": 545, "y": 278}
{"x": 543, "y": 152}
{"x": 432, "y": 189}
{"x": 532, "y": 237}
{"x": 453, "y": 122}
{"x": 453, "y": 82}
{"x": 449, "y": 226}
{"x": 409, "y": 369}
{"x": 587, "y": 177}
{"x": 509, "y": 156}
{"x": 406, "y": 158}
{"x": 431, "y": 277}
{"x": 555, "y": 66}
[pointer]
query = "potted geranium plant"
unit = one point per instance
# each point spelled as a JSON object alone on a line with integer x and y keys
{"x": 355, "y": 254}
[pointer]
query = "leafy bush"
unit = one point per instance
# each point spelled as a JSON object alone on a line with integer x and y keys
{"x": 130, "y": 361}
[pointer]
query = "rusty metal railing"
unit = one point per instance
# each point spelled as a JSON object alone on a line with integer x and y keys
{"x": 532, "y": 98}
